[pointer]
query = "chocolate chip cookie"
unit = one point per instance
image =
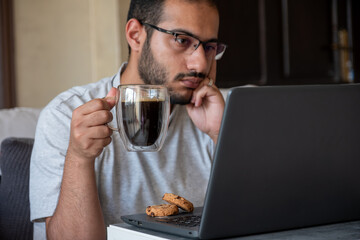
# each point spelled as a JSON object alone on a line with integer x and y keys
{"x": 178, "y": 201}
{"x": 162, "y": 210}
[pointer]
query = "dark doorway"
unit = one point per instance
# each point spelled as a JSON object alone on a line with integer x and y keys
{"x": 7, "y": 69}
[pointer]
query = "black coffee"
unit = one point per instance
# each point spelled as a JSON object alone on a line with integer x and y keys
{"x": 142, "y": 121}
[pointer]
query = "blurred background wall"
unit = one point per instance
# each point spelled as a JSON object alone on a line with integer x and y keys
{"x": 48, "y": 46}
{"x": 61, "y": 44}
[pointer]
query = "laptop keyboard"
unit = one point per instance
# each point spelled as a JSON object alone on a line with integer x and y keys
{"x": 186, "y": 221}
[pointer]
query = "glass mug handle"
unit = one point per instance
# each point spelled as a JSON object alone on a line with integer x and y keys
{"x": 112, "y": 128}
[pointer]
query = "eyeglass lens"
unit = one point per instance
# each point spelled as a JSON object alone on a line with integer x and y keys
{"x": 189, "y": 44}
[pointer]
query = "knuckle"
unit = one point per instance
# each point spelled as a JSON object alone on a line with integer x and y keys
{"x": 107, "y": 141}
{"x": 98, "y": 103}
{"x": 87, "y": 146}
{"x": 77, "y": 135}
{"x": 106, "y": 131}
{"x": 76, "y": 114}
{"x": 109, "y": 131}
{"x": 110, "y": 116}
{"x": 105, "y": 115}
{"x": 76, "y": 122}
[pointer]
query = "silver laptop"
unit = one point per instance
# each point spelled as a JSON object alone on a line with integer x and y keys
{"x": 287, "y": 157}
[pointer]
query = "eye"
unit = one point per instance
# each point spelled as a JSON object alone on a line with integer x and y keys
{"x": 183, "y": 40}
{"x": 210, "y": 47}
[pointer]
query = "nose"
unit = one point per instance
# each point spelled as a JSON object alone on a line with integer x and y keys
{"x": 197, "y": 61}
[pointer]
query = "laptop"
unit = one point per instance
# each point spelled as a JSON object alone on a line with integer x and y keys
{"x": 287, "y": 157}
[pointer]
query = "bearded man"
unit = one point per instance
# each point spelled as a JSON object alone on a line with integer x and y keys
{"x": 81, "y": 177}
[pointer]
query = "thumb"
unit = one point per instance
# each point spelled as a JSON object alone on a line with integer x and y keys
{"x": 111, "y": 97}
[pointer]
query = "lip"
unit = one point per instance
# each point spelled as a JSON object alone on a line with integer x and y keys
{"x": 191, "y": 82}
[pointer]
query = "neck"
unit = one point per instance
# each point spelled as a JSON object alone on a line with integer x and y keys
{"x": 131, "y": 75}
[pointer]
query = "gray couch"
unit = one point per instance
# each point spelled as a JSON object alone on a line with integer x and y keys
{"x": 17, "y": 130}
{"x": 14, "y": 189}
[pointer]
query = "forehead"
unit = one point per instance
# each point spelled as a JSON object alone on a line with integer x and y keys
{"x": 196, "y": 17}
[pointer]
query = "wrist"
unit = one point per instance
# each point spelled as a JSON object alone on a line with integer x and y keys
{"x": 79, "y": 161}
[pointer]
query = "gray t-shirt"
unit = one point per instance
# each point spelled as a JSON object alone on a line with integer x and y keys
{"x": 127, "y": 181}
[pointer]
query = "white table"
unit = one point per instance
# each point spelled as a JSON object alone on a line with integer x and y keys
{"x": 340, "y": 231}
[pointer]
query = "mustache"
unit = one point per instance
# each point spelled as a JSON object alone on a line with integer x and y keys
{"x": 191, "y": 74}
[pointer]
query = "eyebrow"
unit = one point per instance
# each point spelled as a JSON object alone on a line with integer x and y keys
{"x": 179, "y": 30}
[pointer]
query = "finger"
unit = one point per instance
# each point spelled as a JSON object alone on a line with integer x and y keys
{"x": 198, "y": 97}
{"x": 204, "y": 92}
{"x": 206, "y": 89}
{"x": 211, "y": 82}
{"x": 111, "y": 97}
{"x": 80, "y": 123}
{"x": 106, "y": 141}
{"x": 100, "y": 132}
{"x": 89, "y": 137}
{"x": 98, "y": 118}
{"x": 92, "y": 106}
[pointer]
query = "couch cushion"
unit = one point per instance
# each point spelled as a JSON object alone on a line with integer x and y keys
{"x": 14, "y": 189}
{"x": 18, "y": 122}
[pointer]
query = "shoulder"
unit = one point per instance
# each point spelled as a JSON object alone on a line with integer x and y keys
{"x": 55, "y": 118}
{"x": 66, "y": 102}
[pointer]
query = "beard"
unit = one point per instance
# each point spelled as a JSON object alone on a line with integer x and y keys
{"x": 152, "y": 72}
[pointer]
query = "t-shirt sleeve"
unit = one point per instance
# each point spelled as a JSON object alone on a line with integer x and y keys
{"x": 47, "y": 160}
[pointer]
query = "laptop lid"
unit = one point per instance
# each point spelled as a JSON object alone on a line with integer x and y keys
{"x": 287, "y": 157}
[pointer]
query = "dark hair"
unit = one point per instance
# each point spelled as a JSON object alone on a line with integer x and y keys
{"x": 150, "y": 11}
{"x": 146, "y": 10}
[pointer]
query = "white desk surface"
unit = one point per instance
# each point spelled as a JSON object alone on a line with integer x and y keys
{"x": 340, "y": 231}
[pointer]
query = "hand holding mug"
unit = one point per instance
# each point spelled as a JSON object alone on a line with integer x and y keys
{"x": 89, "y": 133}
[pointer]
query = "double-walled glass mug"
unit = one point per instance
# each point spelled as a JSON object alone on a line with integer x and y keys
{"x": 142, "y": 116}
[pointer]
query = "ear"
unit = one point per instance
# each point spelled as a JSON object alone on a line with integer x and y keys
{"x": 135, "y": 34}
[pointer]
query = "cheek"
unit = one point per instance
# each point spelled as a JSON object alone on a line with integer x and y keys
{"x": 160, "y": 50}
{"x": 172, "y": 63}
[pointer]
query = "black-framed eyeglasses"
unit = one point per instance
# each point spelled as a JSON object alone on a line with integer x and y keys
{"x": 187, "y": 44}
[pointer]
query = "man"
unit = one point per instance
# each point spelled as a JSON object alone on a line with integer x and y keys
{"x": 82, "y": 178}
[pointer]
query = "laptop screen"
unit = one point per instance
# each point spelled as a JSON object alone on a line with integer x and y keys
{"x": 287, "y": 157}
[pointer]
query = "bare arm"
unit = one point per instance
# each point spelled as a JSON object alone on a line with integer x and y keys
{"x": 78, "y": 214}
